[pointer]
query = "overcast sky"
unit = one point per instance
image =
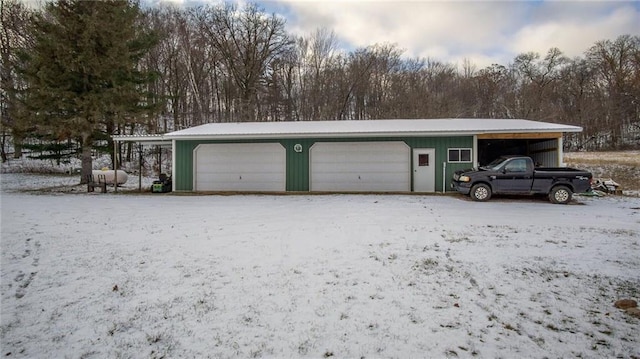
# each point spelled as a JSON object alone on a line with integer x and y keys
{"x": 484, "y": 32}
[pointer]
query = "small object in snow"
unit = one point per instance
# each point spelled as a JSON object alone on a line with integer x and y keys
{"x": 115, "y": 288}
{"x": 625, "y": 304}
{"x": 634, "y": 312}
{"x": 607, "y": 186}
{"x": 456, "y": 305}
{"x": 594, "y": 193}
{"x": 162, "y": 185}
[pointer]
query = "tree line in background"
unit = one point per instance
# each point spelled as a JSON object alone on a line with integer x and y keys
{"x": 76, "y": 72}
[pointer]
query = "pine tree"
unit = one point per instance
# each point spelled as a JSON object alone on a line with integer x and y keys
{"x": 14, "y": 37}
{"x": 82, "y": 74}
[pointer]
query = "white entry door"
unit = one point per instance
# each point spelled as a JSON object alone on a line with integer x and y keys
{"x": 424, "y": 170}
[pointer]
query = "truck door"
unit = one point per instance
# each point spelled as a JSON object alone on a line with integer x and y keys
{"x": 515, "y": 177}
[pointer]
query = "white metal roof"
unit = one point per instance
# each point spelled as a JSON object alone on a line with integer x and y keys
{"x": 149, "y": 140}
{"x": 365, "y": 128}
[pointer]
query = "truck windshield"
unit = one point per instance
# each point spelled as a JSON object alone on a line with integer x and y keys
{"x": 495, "y": 164}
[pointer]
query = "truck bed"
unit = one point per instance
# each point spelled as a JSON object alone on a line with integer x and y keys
{"x": 557, "y": 169}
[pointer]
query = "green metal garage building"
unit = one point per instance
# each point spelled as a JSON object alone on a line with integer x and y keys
{"x": 350, "y": 156}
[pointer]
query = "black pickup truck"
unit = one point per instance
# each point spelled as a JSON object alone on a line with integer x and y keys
{"x": 518, "y": 175}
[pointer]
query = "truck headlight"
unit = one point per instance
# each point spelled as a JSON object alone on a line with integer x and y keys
{"x": 464, "y": 179}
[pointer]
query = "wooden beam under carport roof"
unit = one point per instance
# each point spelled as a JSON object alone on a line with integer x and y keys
{"x": 516, "y": 136}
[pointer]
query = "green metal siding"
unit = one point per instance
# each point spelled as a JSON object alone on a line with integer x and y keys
{"x": 297, "y": 175}
{"x": 442, "y": 144}
{"x": 297, "y": 164}
{"x": 183, "y": 171}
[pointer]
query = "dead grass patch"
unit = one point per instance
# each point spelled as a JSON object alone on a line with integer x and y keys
{"x": 621, "y": 166}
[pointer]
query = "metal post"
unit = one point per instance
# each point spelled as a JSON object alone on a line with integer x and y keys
{"x": 115, "y": 166}
{"x": 159, "y": 160}
{"x": 140, "y": 167}
{"x": 561, "y": 152}
{"x": 173, "y": 165}
{"x": 444, "y": 176}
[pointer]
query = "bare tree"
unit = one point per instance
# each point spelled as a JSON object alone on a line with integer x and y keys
{"x": 538, "y": 77}
{"x": 248, "y": 40}
{"x": 579, "y": 100}
{"x": 317, "y": 62}
{"x": 617, "y": 71}
{"x": 228, "y": 63}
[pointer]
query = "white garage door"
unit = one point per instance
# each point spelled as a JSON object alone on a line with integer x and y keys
{"x": 240, "y": 167}
{"x": 360, "y": 166}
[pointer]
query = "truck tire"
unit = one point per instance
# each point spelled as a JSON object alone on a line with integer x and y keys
{"x": 480, "y": 192}
{"x": 560, "y": 195}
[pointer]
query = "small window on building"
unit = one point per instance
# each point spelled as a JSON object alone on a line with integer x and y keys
{"x": 459, "y": 155}
{"x": 423, "y": 159}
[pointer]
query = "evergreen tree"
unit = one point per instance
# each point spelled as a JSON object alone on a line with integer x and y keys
{"x": 43, "y": 148}
{"x": 83, "y": 75}
{"x": 14, "y": 37}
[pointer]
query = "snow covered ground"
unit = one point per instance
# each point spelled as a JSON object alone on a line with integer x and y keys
{"x": 347, "y": 276}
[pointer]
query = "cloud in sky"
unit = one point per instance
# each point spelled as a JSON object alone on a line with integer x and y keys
{"x": 484, "y": 32}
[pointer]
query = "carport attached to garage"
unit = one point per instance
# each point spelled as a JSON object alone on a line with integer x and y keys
{"x": 544, "y": 148}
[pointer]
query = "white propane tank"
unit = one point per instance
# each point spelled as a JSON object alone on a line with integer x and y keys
{"x": 109, "y": 174}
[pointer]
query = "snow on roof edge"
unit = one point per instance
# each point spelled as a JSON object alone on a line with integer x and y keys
{"x": 363, "y": 128}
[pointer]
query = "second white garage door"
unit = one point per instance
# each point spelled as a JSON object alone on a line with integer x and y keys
{"x": 240, "y": 167}
{"x": 360, "y": 166}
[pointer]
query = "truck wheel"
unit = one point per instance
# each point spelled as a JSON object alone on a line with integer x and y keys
{"x": 560, "y": 195}
{"x": 480, "y": 192}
